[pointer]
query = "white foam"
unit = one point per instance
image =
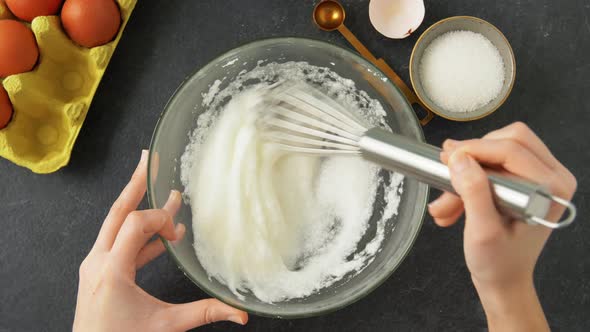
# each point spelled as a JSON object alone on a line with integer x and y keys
{"x": 276, "y": 225}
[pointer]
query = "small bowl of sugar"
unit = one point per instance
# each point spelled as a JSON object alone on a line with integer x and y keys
{"x": 462, "y": 68}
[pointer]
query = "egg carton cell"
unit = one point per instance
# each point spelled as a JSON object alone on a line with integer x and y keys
{"x": 50, "y": 102}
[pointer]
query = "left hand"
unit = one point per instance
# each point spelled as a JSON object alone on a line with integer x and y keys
{"x": 108, "y": 297}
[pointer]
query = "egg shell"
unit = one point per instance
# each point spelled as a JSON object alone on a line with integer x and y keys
{"x": 396, "y": 18}
{"x": 91, "y": 23}
{"x": 27, "y": 10}
{"x": 51, "y": 102}
{"x": 5, "y": 108}
{"x": 18, "y": 48}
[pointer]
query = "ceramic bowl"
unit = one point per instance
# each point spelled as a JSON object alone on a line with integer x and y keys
{"x": 477, "y": 25}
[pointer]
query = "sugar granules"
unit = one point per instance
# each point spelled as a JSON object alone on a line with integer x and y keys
{"x": 462, "y": 71}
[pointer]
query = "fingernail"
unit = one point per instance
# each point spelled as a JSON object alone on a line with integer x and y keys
{"x": 144, "y": 155}
{"x": 179, "y": 228}
{"x": 433, "y": 204}
{"x": 178, "y": 232}
{"x": 444, "y": 155}
{"x": 450, "y": 144}
{"x": 175, "y": 194}
{"x": 458, "y": 161}
{"x": 172, "y": 194}
{"x": 236, "y": 319}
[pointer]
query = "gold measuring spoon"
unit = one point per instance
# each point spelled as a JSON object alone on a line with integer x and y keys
{"x": 329, "y": 15}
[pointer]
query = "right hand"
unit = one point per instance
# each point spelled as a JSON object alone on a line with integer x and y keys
{"x": 500, "y": 253}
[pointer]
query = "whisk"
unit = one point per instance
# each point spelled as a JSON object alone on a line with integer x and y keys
{"x": 300, "y": 118}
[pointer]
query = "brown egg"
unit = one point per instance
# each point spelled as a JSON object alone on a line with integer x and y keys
{"x": 27, "y": 10}
{"x": 18, "y": 48}
{"x": 5, "y": 108}
{"x": 91, "y": 23}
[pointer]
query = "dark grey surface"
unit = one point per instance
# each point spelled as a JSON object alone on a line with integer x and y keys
{"x": 50, "y": 221}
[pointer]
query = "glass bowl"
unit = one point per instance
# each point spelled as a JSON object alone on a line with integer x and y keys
{"x": 180, "y": 117}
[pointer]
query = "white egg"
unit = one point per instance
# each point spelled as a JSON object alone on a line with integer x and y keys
{"x": 396, "y": 18}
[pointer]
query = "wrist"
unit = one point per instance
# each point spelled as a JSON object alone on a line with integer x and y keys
{"x": 511, "y": 306}
{"x": 499, "y": 295}
{"x": 522, "y": 284}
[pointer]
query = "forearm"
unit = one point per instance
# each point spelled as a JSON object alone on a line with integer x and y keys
{"x": 514, "y": 308}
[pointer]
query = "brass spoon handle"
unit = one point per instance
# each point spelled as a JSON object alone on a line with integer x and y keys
{"x": 351, "y": 38}
{"x": 410, "y": 95}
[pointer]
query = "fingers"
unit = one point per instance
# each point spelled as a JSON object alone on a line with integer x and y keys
{"x": 155, "y": 248}
{"x": 472, "y": 184}
{"x": 174, "y": 202}
{"x": 446, "y": 209}
{"x": 506, "y": 153}
{"x": 154, "y": 165}
{"x": 127, "y": 202}
{"x": 519, "y": 133}
{"x": 523, "y": 135}
{"x": 140, "y": 226}
{"x": 183, "y": 317}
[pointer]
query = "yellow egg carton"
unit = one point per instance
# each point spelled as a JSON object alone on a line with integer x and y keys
{"x": 51, "y": 102}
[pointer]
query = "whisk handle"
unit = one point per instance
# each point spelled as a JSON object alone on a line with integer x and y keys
{"x": 515, "y": 197}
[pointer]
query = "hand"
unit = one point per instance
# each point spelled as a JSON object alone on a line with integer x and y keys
{"x": 500, "y": 253}
{"x": 108, "y": 297}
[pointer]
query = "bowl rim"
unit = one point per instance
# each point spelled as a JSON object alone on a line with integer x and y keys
{"x": 435, "y": 108}
{"x": 423, "y": 189}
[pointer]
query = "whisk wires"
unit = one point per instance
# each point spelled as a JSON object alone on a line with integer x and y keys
{"x": 299, "y": 118}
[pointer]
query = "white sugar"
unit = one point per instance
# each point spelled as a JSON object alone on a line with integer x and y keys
{"x": 462, "y": 71}
{"x": 213, "y": 90}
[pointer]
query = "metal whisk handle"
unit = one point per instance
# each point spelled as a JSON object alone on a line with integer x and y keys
{"x": 515, "y": 197}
